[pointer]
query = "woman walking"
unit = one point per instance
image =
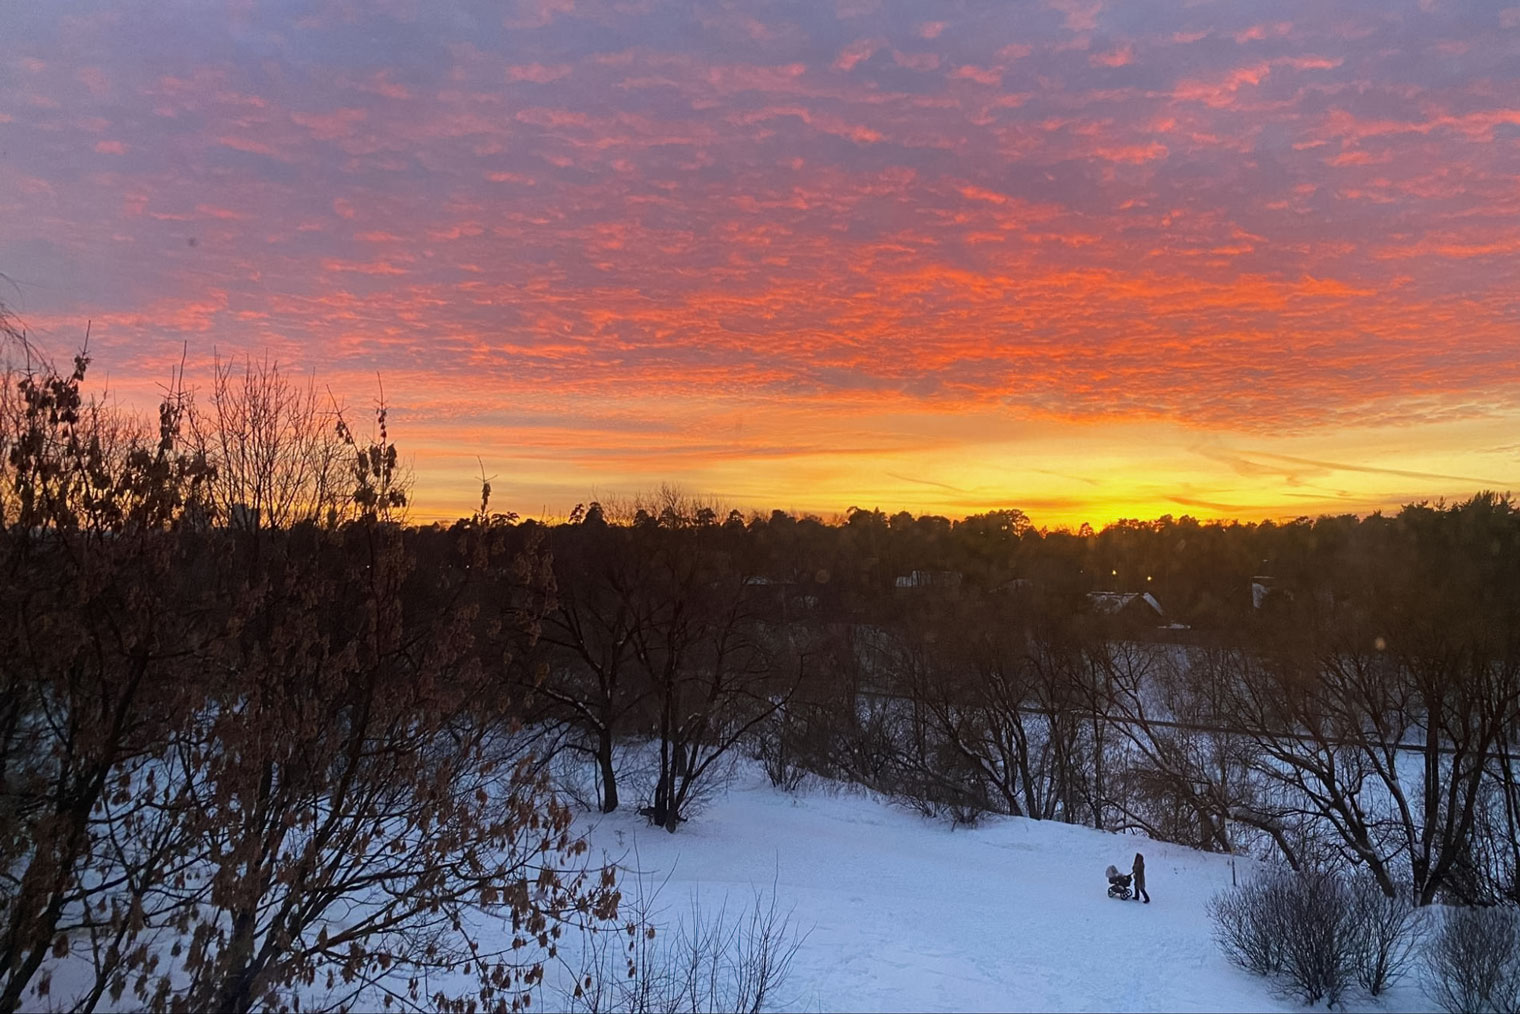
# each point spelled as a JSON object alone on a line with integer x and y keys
{"x": 1139, "y": 875}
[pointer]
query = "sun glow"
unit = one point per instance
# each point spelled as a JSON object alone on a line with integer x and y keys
{"x": 812, "y": 260}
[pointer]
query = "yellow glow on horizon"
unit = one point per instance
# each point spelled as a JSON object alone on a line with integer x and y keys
{"x": 929, "y": 274}
{"x": 808, "y": 460}
{"x": 1060, "y": 474}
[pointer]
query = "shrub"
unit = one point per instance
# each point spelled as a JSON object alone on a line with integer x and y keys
{"x": 1316, "y": 931}
{"x": 1247, "y": 926}
{"x": 710, "y": 961}
{"x": 1321, "y": 945}
{"x": 1387, "y": 936}
{"x": 780, "y": 746}
{"x": 1473, "y": 961}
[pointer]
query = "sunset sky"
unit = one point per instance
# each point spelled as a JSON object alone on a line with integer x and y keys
{"x": 1090, "y": 259}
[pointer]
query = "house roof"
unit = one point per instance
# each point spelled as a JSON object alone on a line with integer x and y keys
{"x": 1112, "y": 603}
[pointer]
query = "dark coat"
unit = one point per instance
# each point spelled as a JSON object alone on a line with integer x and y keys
{"x": 1139, "y": 872}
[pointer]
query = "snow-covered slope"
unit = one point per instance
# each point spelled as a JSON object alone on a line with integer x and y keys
{"x": 909, "y": 915}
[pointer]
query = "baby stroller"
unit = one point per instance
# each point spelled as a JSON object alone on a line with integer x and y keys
{"x": 1118, "y": 885}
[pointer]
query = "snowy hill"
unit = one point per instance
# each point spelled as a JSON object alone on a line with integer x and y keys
{"x": 909, "y": 915}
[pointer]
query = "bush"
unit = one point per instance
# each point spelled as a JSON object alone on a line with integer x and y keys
{"x": 1321, "y": 945}
{"x": 1473, "y": 961}
{"x": 1387, "y": 936}
{"x": 1248, "y": 926}
{"x": 780, "y": 745}
{"x": 708, "y": 962}
{"x": 1316, "y": 931}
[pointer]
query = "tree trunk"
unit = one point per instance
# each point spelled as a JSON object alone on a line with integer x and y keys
{"x": 609, "y": 774}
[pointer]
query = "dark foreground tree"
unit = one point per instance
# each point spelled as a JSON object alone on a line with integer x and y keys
{"x": 264, "y": 769}
{"x": 96, "y": 635}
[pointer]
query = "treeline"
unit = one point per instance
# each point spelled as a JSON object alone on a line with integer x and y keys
{"x": 1334, "y": 693}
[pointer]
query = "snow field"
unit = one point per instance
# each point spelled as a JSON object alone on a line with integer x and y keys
{"x": 904, "y": 914}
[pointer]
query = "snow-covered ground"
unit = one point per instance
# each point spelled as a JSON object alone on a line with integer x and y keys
{"x": 901, "y": 913}
{"x": 904, "y": 914}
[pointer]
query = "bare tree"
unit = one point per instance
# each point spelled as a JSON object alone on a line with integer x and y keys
{"x": 697, "y": 644}
{"x": 970, "y": 683}
{"x": 275, "y": 447}
{"x": 1336, "y": 720}
{"x": 1189, "y": 778}
{"x": 588, "y": 668}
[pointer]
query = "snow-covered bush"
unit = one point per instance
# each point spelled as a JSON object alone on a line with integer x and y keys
{"x": 1248, "y": 925}
{"x": 1317, "y": 933}
{"x": 1473, "y": 960}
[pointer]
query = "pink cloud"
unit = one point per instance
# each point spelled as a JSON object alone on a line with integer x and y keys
{"x": 1275, "y": 30}
{"x": 856, "y": 52}
{"x": 330, "y": 126}
{"x": 224, "y": 214}
{"x": 982, "y": 194}
{"x": 383, "y": 268}
{"x": 1117, "y": 57}
{"x": 536, "y": 13}
{"x": 1080, "y": 15}
{"x": 1135, "y": 154}
{"x": 1221, "y": 90}
{"x": 538, "y": 73}
{"x": 248, "y": 144}
{"x": 981, "y": 75}
{"x": 380, "y": 83}
{"x": 916, "y": 61}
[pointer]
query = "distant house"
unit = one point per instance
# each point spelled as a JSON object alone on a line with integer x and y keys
{"x": 938, "y": 579}
{"x": 1261, "y": 587}
{"x": 1264, "y": 589}
{"x": 1016, "y": 586}
{"x": 1136, "y": 607}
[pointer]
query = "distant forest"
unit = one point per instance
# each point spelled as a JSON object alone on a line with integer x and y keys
{"x": 239, "y": 693}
